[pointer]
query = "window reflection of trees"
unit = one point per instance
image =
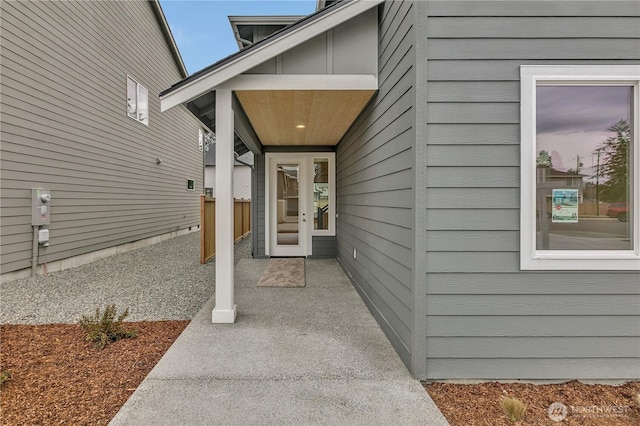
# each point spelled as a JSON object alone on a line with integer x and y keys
{"x": 612, "y": 171}
{"x": 321, "y": 193}
{"x": 604, "y": 201}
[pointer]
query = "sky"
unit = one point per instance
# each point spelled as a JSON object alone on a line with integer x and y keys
{"x": 202, "y": 31}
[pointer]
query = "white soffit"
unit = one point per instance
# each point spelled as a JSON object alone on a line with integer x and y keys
{"x": 302, "y": 117}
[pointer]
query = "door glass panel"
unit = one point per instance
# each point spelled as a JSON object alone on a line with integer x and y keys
{"x": 321, "y": 193}
{"x": 288, "y": 204}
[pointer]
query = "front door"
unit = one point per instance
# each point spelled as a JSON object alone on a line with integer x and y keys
{"x": 287, "y": 200}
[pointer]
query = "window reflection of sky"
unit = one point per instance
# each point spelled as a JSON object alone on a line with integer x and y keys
{"x": 572, "y": 121}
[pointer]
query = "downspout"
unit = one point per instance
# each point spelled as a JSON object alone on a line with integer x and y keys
{"x": 204, "y": 170}
{"x": 34, "y": 251}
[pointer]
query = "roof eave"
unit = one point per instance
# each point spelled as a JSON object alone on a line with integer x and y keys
{"x": 262, "y": 20}
{"x": 236, "y": 21}
{"x": 164, "y": 25}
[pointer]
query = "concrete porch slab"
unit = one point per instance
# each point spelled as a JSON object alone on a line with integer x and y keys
{"x": 311, "y": 355}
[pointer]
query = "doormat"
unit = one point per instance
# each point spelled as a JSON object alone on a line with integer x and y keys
{"x": 283, "y": 272}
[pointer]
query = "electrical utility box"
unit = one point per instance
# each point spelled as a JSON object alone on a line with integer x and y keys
{"x": 43, "y": 237}
{"x": 40, "y": 206}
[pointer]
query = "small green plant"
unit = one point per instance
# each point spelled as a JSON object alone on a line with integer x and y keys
{"x": 5, "y": 376}
{"x": 106, "y": 327}
{"x": 513, "y": 408}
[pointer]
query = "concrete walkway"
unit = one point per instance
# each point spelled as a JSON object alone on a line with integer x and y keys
{"x": 313, "y": 355}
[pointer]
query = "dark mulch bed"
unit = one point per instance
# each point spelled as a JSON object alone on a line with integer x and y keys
{"x": 60, "y": 378}
{"x": 478, "y": 404}
{"x": 57, "y": 377}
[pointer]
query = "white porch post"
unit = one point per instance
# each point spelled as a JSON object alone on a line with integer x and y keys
{"x": 225, "y": 309}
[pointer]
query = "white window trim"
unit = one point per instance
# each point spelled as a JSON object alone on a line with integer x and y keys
{"x": 332, "y": 193}
{"x": 137, "y": 117}
{"x": 530, "y": 257}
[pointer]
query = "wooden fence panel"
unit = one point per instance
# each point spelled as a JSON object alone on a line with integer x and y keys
{"x": 207, "y": 228}
{"x": 246, "y": 217}
{"x": 242, "y": 224}
{"x": 237, "y": 220}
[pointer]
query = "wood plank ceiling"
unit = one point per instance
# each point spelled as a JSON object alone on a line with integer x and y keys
{"x": 302, "y": 117}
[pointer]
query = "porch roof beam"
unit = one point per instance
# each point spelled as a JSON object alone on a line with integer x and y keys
{"x": 206, "y": 121}
{"x": 207, "y": 109}
{"x": 302, "y": 82}
{"x": 244, "y": 129}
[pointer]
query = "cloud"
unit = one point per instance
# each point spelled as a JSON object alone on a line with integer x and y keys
{"x": 572, "y": 121}
{"x": 571, "y": 109}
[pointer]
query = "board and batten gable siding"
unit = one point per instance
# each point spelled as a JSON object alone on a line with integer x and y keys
{"x": 65, "y": 127}
{"x": 340, "y": 50}
{"x": 375, "y": 175}
{"x": 486, "y": 319}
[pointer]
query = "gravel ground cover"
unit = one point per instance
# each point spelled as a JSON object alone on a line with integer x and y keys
{"x": 164, "y": 281}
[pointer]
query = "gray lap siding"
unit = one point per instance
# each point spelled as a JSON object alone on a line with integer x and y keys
{"x": 65, "y": 128}
{"x": 486, "y": 319}
{"x": 375, "y": 186}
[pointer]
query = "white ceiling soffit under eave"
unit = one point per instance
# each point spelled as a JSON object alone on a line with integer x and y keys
{"x": 302, "y": 117}
{"x": 186, "y": 91}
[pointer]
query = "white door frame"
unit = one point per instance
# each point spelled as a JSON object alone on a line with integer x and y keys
{"x": 305, "y": 216}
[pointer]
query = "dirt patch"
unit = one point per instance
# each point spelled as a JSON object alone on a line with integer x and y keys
{"x": 589, "y": 405}
{"x": 57, "y": 377}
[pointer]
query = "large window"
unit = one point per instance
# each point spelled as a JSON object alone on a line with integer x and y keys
{"x": 580, "y": 167}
